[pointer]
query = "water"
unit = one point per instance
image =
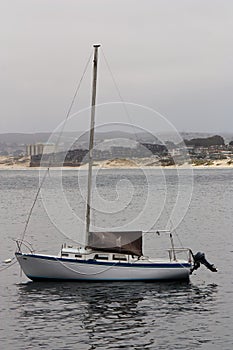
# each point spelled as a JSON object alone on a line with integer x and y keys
{"x": 195, "y": 315}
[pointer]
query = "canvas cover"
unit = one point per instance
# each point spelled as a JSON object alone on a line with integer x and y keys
{"x": 128, "y": 242}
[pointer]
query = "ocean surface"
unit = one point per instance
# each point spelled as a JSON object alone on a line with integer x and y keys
{"x": 195, "y": 315}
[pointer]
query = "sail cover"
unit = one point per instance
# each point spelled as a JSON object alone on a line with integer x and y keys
{"x": 128, "y": 242}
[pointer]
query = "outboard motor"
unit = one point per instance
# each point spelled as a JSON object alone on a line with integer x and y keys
{"x": 199, "y": 259}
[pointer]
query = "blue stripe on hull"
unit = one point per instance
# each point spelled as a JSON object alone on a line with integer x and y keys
{"x": 41, "y": 279}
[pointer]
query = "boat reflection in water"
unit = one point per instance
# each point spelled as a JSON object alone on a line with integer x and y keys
{"x": 121, "y": 315}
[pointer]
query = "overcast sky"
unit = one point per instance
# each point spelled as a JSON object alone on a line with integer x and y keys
{"x": 175, "y": 56}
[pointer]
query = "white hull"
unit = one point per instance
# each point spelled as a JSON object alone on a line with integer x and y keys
{"x": 42, "y": 267}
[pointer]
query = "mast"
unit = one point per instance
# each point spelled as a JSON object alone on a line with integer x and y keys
{"x": 91, "y": 142}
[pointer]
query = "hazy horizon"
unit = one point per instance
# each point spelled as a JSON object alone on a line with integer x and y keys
{"x": 172, "y": 57}
{"x": 83, "y": 131}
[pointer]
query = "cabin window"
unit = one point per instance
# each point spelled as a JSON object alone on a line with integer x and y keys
{"x": 119, "y": 257}
{"x": 101, "y": 257}
{"x": 78, "y": 256}
{"x": 64, "y": 254}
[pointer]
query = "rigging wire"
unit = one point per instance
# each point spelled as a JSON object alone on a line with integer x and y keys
{"x": 130, "y": 120}
{"x": 120, "y": 95}
{"x": 13, "y": 261}
{"x": 55, "y": 148}
{"x": 121, "y": 100}
{"x": 172, "y": 226}
{"x": 123, "y": 104}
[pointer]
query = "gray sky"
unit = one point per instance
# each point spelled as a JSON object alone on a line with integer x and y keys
{"x": 174, "y": 56}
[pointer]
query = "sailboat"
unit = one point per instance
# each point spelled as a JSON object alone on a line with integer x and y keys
{"x": 108, "y": 256}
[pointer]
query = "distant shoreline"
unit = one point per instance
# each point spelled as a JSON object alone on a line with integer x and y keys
{"x": 118, "y": 164}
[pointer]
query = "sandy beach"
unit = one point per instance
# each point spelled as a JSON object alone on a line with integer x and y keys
{"x": 11, "y": 163}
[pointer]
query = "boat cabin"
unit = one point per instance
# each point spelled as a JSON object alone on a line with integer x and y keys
{"x": 83, "y": 254}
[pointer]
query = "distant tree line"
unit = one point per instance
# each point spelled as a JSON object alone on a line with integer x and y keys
{"x": 206, "y": 142}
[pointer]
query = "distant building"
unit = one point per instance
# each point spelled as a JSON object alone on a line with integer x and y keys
{"x": 39, "y": 148}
